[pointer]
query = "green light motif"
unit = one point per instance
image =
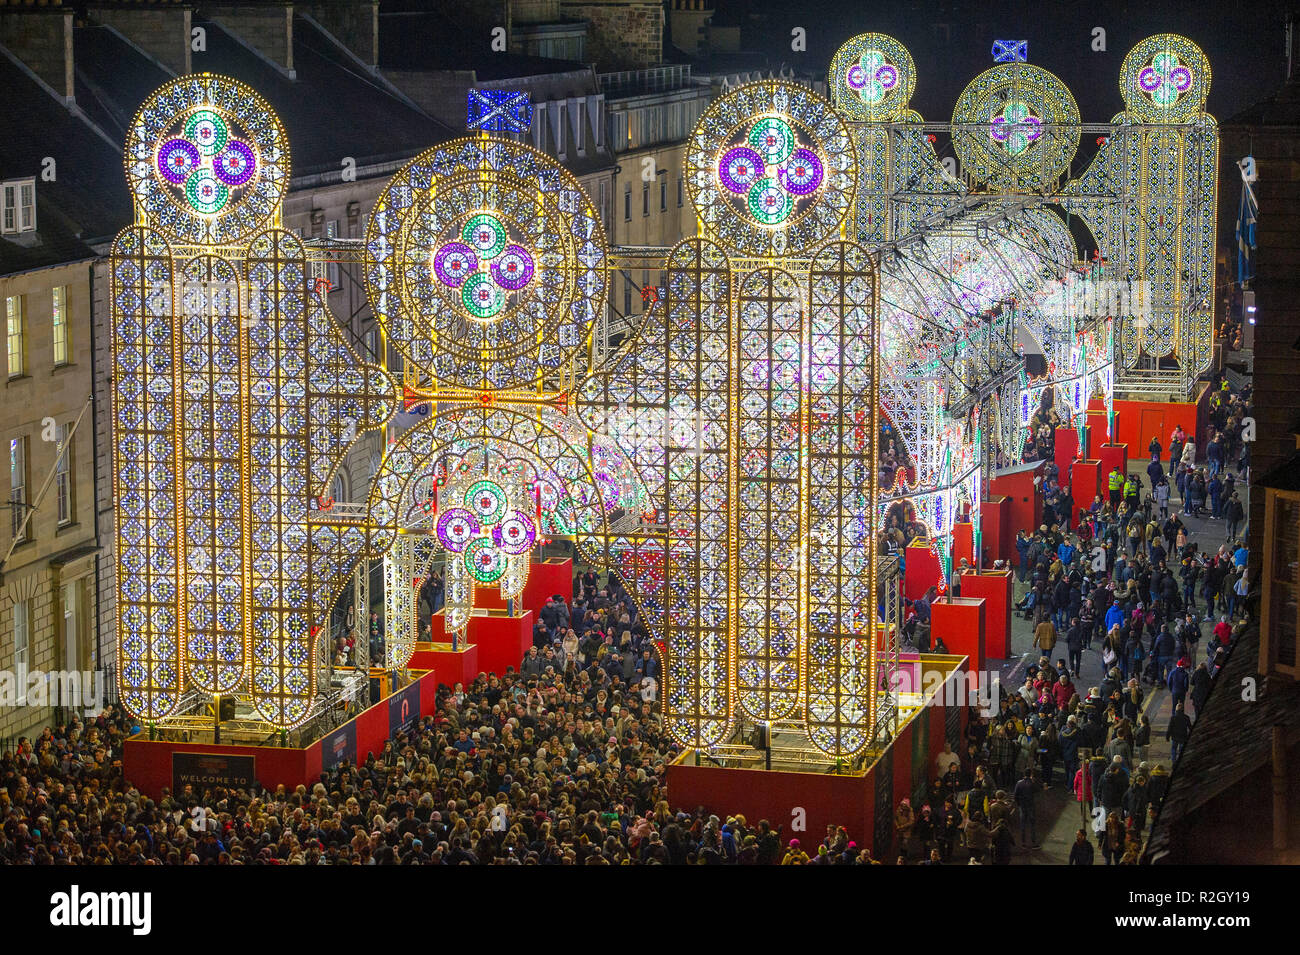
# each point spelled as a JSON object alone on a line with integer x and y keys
{"x": 485, "y": 234}
{"x": 205, "y": 193}
{"x": 208, "y": 131}
{"x": 481, "y": 297}
{"x": 773, "y": 138}
{"x": 769, "y": 203}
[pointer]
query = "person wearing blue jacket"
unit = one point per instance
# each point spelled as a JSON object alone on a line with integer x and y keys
{"x": 1178, "y": 682}
{"x": 1115, "y": 615}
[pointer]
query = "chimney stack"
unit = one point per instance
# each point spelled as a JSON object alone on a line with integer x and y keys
{"x": 163, "y": 31}
{"x": 41, "y": 39}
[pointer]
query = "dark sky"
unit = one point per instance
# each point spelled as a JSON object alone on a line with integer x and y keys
{"x": 1243, "y": 40}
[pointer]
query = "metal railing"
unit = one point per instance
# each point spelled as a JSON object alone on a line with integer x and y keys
{"x": 654, "y": 79}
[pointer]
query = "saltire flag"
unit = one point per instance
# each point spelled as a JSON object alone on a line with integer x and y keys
{"x": 1246, "y": 217}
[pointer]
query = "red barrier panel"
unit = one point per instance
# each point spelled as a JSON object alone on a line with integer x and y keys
{"x": 921, "y": 569}
{"x": 960, "y": 622}
{"x": 1026, "y": 503}
{"x": 997, "y": 535}
{"x": 995, "y": 587}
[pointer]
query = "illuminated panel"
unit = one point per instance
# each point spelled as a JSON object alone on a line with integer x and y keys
{"x": 213, "y": 412}
{"x": 1016, "y": 127}
{"x": 485, "y": 264}
{"x": 842, "y": 476}
{"x": 235, "y": 401}
{"x": 769, "y": 169}
{"x": 767, "y": 638}
{"x": 698, "y": 496}
{"x": 145, "y": 462}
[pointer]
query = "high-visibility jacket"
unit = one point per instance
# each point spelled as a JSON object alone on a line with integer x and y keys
{"x": 1116, "y": 480}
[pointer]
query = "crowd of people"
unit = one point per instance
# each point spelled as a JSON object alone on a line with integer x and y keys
{"x": 562, "y": 760}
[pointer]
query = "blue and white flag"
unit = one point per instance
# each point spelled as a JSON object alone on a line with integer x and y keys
{"x": 1246, "y": 217}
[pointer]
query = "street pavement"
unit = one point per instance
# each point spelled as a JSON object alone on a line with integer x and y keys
{"x": 1059, "y": 815}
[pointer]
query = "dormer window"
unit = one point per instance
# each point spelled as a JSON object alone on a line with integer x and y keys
{"x": 19, "y": 214}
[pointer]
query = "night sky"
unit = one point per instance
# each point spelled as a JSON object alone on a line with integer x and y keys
{"x": 1243, "y": 39}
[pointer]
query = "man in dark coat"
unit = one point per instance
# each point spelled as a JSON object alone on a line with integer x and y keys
{"x": 1180, "y": 728}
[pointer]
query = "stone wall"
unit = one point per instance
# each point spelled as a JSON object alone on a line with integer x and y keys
{"x": 624, "y": 34}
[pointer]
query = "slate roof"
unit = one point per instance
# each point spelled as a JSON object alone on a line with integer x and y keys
{"x": 411, "y": 40}
{"x": 86, "y": 202}
{"x": 333, "y": 109}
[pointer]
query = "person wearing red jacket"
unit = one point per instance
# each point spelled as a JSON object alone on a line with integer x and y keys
{"x": 1223, "y": 630}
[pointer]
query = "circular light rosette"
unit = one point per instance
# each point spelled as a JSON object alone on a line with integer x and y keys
{"x": 206, "y": 193}
{"x": 454, "y": 263}
{"x": 456, "y": 528}
{"x": 515, "y": 535}
{"x": 207, "y": 130}
{"x": 235, "y": 164}
{"x": 480, "y": 297}
{"x": 486, "y": 501}
{"x": 802, "y": 174}
{"x": 856, "y": 77}
{"x": 514, "y": 269}
{"x": 769, "y": 203}
{"x": 484, "y": 234}
{"x": 739, "y": 169}
{"x": 177, "y": 158}
{"x": 1149, "y": 80}
{"x": 485, "y": 561}
{"x": 773, "y": 138}
{"x": 1181, "y": 77}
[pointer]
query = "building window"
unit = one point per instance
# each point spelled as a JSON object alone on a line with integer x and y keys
{"x": 627, "y": 298}
{"x": 559, "y": 132}
{"x": 663, "y": 195}
{"x": 61, "y": 325}
{"x": 332, "y": 268}
{"x": 580, "y": 134}
{"x": 603, "y": 191}
{"x": 22, "y": 625}
{"x": 679, "y": 192}
{"x": 339, "y": 489}
{"x": 63, "y": 474}
{"x": 1280, "y": 621}
{"x": 19, "y": 206}
{"x": 18, "y": 484}
{"x": 17, "y": 337}
{"x": 627, "y": 202}
{"x": 645, "y": 199}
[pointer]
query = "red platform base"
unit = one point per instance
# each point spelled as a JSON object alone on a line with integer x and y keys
{"x": 960, "y": 622}
{"x": 154, "y": 765}
{"x": 501, "y": 640}
{"x": 1017, "y": 483}
{"x": 995, "y": 587}
{"x": 452, "y": 666}
{"x": 803, "y": 804}
{"x": 1066, "y": 445}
